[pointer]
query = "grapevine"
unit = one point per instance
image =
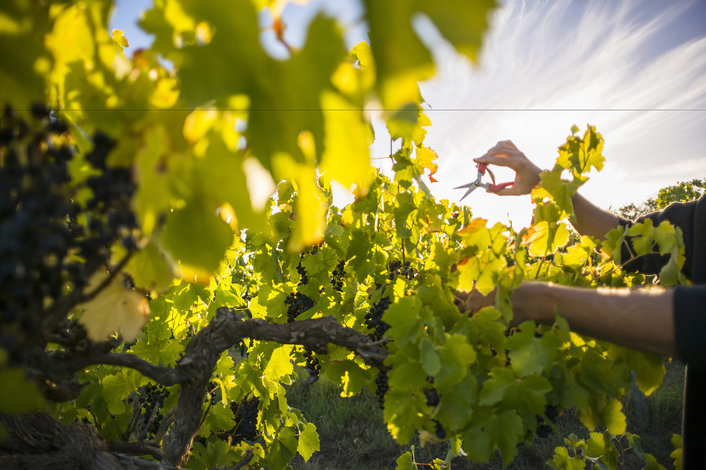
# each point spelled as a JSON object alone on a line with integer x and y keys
{"x": 160, "y": 306}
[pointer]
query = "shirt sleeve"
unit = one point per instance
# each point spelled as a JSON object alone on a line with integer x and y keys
{"x": 690, "y": 323}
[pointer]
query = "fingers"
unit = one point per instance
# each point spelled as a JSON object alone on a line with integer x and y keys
{"x": 504, "y": 153}
{"x": 511, "y": 191}
{"x": 472, "y": 301}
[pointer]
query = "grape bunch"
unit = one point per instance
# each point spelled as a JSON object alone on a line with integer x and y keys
{"x": 382, "y": 387}
{"x": 297, "y": 303}
{"x": 151, "y": 403}
{"x": 432, "y": 396}
{"x": 313, "y": 366}
{"x": 245, "y": 414}
{"x": 439, "y": 430}
{"x": 373, "y": 319}
{"x": 337, "y": 276}
{"x": 397, "y": 268}
{"x": 302, "y": 272}
{"x": 213, "y": 393}
{"x": 551, "y": 412}
{"x": 54, "y": 234}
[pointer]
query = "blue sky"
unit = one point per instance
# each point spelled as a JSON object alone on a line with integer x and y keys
{"x": 634, "y": 68}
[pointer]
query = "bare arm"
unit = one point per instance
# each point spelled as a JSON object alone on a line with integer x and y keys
{"x": 591, "y": 219}
{"x": 640, "y": 319}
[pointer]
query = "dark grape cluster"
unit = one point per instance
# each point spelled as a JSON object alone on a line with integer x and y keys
{"x": 245, "y": 414}
{"x": 432, "y": 396}
{"x": 545, "y": 429}
{"x": 439, "y": 430}
{"x": 302, "y": 272}
{"x": 53, "y": 233}
{"x": 337, "y": 276}
{"x": 213, "y": 393}
{"x": 382, "y": 386}
{"x": 297, "y": 303}
{"x": 313, "y": 366}
{"x": 397, "y": 268}
{"x": 373, "y": 319}
{"x": 151, "y": 403}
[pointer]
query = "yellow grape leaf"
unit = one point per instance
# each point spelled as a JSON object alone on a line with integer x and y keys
{"x": 543, "y": 239}
{"x": 114, "y": 308}
{"x": 476, "y": 233}
{"x": 119, "y": 38}
{"x": 311, "y": 203}
{"x": 426, "y": 158}
{"x": 347, "y": 142}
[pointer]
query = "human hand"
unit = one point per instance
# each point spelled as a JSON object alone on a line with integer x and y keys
{"x": 505, "y": 153}
{"x": 470, "y": 302}
{"x": 474, "y": 300}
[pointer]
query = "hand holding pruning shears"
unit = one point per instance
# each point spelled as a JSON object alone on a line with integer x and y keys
{"x": 505, "y": 153}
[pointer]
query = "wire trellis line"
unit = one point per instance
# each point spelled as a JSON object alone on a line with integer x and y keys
{"x": 382, "y": 110}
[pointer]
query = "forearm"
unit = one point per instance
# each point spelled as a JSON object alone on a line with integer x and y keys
{"x": 640, "y": 319}
{"x": 591, "y": 219}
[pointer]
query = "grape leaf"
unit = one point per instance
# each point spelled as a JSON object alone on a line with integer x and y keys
{"x": 114, "y": 308}
{"x": 308, "y": 441}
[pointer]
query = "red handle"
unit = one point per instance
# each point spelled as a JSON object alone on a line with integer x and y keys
{"x": 482, "y": 167}
{"x": 494, "y": 188}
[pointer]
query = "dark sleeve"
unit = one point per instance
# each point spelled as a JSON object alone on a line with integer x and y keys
{"x": 690, "y": 323}
{"x": 678, "y": 214}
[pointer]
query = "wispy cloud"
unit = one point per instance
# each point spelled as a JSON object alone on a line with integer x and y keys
{"x": 604, "y": 63}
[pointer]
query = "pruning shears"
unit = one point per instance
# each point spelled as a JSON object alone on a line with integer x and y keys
{"x": 478, "y": 183}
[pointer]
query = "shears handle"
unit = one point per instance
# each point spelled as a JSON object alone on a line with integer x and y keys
{"x": 494, "y": 188}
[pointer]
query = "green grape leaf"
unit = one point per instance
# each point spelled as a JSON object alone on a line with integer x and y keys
{"x": 562, "y": 460}
{"x": 456, "y": 404}
{"x": 116, "y": 388}
{"x": 405, "y": 462}
{"x": 403, "y": 414}
{"x": 308, "y": 441}
{"x": 285, "y": 96}
{"x": 348, "y": 375}
{"x": 581, "y": 154}
{"x": 560, "y": 190}
{"x": 502, "y": 431}
{"x": 613, "y": 243}
{"x": 25, "y": 58}
{"x": 462, "y": 24}
{"x": 280, "y": 363}
{"x": 676, "y": 454}
{"x": 283, "y": 448}
{"x": 17, "y": 393}
{"x": 496, "y": 387}
{"x": 403, "y": 318}
{"x": 406, "y": 376}
{"x": 544, "y": 238}
{"x": 405, "y": 206}
{"x": 456, "y": 355}
{"x": 643, "y": 237}
{"x": 431, "y": 362}
{"x": 649, "y": 368}
{"x": 346, "y": 156}
{"x": 401, "y": 59}
{"x": 150, "y": 267}
{"x": 530, "y": 355}
{"x": 613, "y": 417}
{"x": 197, "y": 221}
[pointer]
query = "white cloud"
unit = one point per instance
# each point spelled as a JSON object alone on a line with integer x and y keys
{"x": 594, "y": 61}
